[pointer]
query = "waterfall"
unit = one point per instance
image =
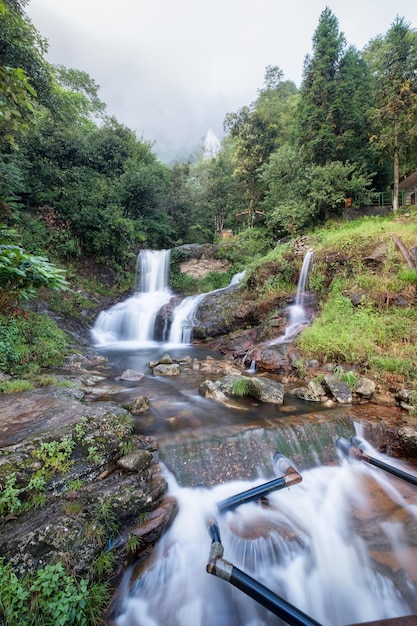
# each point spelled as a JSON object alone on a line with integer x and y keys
{"x": 184, "y": 314}
{"x": 181, "y": 331}
{"x": 297, "y": 314}
{"x": 322, "y": 545}
{"x": 302, "y": 280}
{"x": 133, "y": 320}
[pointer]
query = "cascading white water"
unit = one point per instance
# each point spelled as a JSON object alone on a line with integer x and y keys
{"x": 133, "y": 320}
{"x": 297, "y": 314}
{"x": 309, "y": 546}
{"x": 181, "y": 331}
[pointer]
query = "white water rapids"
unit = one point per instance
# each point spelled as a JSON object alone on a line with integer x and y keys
{"x": 314, "y": 546}
{"x": 339, "y": 546}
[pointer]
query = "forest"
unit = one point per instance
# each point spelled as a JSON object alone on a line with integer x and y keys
{"x": 77, "y": 184}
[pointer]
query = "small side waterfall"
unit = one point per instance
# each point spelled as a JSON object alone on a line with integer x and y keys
{"x": 133, "y": 320}
{"x": 183, "y": 321}
{"x": 181, "y": 331}
{"x": 297, "y": 314}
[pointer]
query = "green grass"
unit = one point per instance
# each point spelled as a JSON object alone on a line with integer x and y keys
{"x": 241, "y": 386}
{"x": 29, "y": 342}
{"x": 385, "y": 340}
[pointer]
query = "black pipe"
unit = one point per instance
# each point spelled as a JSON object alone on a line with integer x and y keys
{"x": 291, "y": 477}
{"x": 350, "y": 450}
{"x": 251, "y": 587}
{"x": 278, "y": 606}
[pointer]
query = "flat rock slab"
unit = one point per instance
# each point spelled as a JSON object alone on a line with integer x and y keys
{"x": 34, "y": 412}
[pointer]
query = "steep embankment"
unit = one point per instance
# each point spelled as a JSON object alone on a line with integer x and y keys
{"x": 361, "y": 303}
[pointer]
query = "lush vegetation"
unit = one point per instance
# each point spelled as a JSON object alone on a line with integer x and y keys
{"x": 76, "y": 184}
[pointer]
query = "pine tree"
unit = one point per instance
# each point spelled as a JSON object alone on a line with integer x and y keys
{"x": 318, "y": 103}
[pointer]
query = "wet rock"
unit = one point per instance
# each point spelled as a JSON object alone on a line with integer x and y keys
{"x": 138, "y": 405}
{"x": 365, "y": 388}
{"x": 132, "y": 375}
{"x": 383, "y": 398}
{"x": 408, "y": 440}
{"x": 136, "y": 461}
{"x": 305, "y": 394}
{"x": 261, "y": 389}
{"x": 83, "y": 361}
{"x": 166, "y": 359}
{"x": 272, "y": 358}
{"x": 338, "y": 389}
{"x": 166, "y": 370}
{"x": 91, "y": 380}
{"x": 266, "y": 390}
{"x": 81, "y": 495}
{"x": 210, "y": 389}
{"x": 317, "y": 389}
{"x": 223, "y": 312}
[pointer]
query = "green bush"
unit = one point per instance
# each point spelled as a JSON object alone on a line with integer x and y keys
{"x": 29, "y": 343}
{"x": 54, "y": 597}
{"x": 244, "y": 247}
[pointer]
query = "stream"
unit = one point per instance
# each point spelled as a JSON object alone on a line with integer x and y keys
{"x": 340, "y": 545}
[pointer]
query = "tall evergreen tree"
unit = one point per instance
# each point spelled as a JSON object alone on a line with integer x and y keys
{"x": 353, "y": 107}
{"x": 318, "y": 102}
{"x": 393, "y": 60}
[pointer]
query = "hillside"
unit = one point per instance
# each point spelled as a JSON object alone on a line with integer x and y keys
{"x": 362, "y": 296}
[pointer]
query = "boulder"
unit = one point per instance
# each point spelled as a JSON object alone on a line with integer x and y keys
{"x": 166, "y": 370}
{"x": 261, "y": 389}
{"x": 408, "y": 439}
{"x": 365, "y": 388}
{"x": 338, "y": 389}
{"x": 132, "y": 375}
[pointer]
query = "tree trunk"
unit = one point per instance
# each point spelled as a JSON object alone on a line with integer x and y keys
{"x": 395, "y": 203}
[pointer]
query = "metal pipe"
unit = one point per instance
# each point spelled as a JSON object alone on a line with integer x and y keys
{"x": 348, "y": 449}
{"x": 291, "y": 477}
{"x": 278, "y": 606}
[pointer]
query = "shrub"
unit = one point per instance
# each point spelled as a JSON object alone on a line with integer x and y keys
{"x": 22, "y": 274}
{"x": 55, "y": 598}
{"x": 30, "y": 342}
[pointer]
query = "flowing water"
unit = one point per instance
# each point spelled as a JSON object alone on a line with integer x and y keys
{"x": 340, "y": 545}
{"x": 297, "y": 314}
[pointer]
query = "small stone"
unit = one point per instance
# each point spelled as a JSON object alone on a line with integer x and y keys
{"x": 365, "y": 388}
{"x": 166, "y": 370}
{"x": 136, "y": 461}
{"x": 132, "y": 375}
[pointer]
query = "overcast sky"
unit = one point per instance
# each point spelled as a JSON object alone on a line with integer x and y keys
{"x": 172, "y": 69}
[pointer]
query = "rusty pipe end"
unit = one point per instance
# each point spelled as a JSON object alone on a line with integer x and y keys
{"x": 220, "y": 568}
{"x": 292, "y": 477}
{"x": 284, "y": 467}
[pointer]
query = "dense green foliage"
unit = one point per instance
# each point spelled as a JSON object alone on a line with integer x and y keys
{"x": 85, "y": 185}
{"x": 22, "y": 274}
{"x": 49, "y": 597}
{"x": 29, "y": 342}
